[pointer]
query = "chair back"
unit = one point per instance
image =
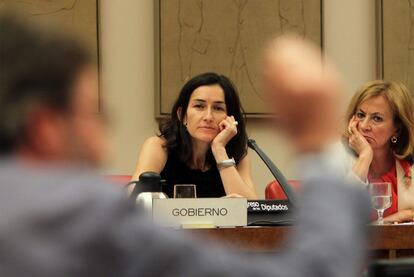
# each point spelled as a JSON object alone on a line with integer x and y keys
{"x": 122, "y": 180}
{"x": 275, "y": 192}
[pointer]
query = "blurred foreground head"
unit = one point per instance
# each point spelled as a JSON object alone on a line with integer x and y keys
{"x": 48, "y": 97}
{"x": 303, "y": 90}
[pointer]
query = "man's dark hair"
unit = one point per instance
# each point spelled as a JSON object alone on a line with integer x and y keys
{"x": 37, "y": 67}
{"x": 178, "y": 140}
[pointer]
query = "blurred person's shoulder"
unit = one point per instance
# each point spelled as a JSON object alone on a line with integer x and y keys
{"x": 78, "y": 221}
{"x": 336, "y": 160}
{"x": 64, "y": 189}
{"x": 334, "y": 156}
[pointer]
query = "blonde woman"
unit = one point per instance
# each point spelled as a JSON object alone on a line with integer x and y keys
{"x": 380, "y": 132}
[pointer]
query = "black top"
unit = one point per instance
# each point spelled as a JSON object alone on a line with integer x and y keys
{"x": 208, "y": 183}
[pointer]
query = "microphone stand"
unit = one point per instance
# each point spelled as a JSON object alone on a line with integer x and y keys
{"x": 287, "y": 189}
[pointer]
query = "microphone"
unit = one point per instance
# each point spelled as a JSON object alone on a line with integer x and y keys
{"x": 287, "y": 189}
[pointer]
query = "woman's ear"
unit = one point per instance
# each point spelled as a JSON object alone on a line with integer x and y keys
{"x": 179, "y": 111}
{"x": 398, "y": 129}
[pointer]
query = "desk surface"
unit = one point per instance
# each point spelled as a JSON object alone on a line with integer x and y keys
{"x": 264, "y": 239}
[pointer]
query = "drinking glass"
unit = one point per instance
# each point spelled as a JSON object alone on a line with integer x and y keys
{"x": 380, "y": 198}
{"x": 185, "y": 191}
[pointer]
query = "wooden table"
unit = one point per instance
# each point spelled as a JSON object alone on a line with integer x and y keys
{"x": 388, "y": 241}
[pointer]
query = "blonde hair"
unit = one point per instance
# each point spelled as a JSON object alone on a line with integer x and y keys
{"x": 401, "y": 104}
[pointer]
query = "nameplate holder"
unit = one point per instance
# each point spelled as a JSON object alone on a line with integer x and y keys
{"x": 268, "y": 206}
{"x": 195, "y": 212}
{"x": 270, "y": 212}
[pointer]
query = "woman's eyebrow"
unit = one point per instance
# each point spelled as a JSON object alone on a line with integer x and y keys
{"x": 377, "y": 113}
{"x": 204, "y": 101}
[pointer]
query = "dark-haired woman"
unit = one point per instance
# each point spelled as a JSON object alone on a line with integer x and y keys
{"x": 204, "y": 142}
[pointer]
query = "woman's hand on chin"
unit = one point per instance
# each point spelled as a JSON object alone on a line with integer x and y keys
{"x": 357, "y": 141}
{"x": 228, "y": 129}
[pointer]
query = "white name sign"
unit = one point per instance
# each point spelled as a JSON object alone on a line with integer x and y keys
{"x": 214, "y": 212}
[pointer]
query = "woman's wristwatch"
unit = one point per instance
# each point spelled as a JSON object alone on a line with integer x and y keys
{"x": 226, "y": 163}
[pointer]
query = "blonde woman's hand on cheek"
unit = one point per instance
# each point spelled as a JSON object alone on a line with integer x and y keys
{"x": 357, "y": 141}
{"x": 228, "y": 129}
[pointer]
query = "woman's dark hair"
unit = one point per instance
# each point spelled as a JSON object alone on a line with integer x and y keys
{"x": 178, "y": 140}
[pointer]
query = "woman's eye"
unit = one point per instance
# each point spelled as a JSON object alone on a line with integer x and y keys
{"x": 360, "y": 115}
{"x": 219, "y": 108}
{"x": 198, "y": 106}
{"x": 377, "y": 118}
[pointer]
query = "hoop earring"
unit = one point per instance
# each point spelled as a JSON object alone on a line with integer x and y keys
{"x": 394, "y": 139}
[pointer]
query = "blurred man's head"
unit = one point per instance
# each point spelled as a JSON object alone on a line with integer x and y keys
{"x": 48, "y": 97}
{"x": 303, "y": 90}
